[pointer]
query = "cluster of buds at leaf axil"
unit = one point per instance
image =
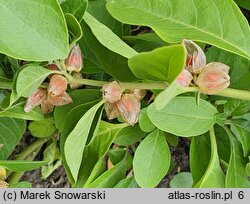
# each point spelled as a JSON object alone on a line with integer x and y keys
{"x": 211, "y": 78}
{"x": 120, "y": 103}
{"x": 55, "y": 95}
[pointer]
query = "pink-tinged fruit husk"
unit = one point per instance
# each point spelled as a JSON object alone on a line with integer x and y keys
{"x": 214, "y": 78}
{"x": 35, "y": 99}
{"x": 60, "y": 100}
{"x": 129, "y": 108}
{"x": 111, "y": 110}
{"x": 74, "y": 62}
{"x": 196, "y": 58}
{"x": 57, "y": 85}
{"x": 111, "y": 92}
{"x": 77, "y": 75}
{"x": 184, "y": 78}
{"x": 139, "y": 93}
{"x": 46, "y": 107}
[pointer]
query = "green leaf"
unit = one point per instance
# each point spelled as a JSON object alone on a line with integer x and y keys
{"x": 11, "y": 132}
{"x": 111, "y": 177}
{"x": 98, "y": 170}
{"x": 214, "y": 176}
{"x": 223, "y": 143}
{"x": 38, "y": 25}
{"x": 75, "y": 29}
{"x": 243, "y": 3}
{"x": 236, "y": 107}
{"x": 73, "y": 111}
{"x": 144, "y": 122}
{"x": 75, "y": 7}
{"x": 167, "y": 95}
{"x": 98, "y": 56}
{"x": 52, "y": 155}
{"x": 76, "y": 141}
{"x": 164, "y": 63}
{"x": 199, "y": 156}
{"x": 116, "y": 155}
{"x": 99, "y": 11}
{"x": 239, "y": 67}
{"x": 183, "y": 117}
{"x": 5, "y": 83}
{"x": 20, "y": 165}
{"x": 129, "y": 135}
{"x": 107, "y": 38}
{"x": 43, "y": 128}
{"x": 127, "y": 183}
{"x": 152, "y": 160}
{"x": 243, "y": 137}
{"x": 248, "y": 169}
{"x": 171, "y": 139}
{"x": 182, "y": 180}
{"x": 22, "y": 184}
{"x": 17, "y": 111}
{"x": 98, "y": 148}
{"x": 236, "y": 176}
{"x": 198, "y": 21}
{"x": 30, "y": 78}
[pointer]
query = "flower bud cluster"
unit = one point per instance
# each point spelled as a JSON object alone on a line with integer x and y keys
{"x": 55, "y": 95}
{"x": 211, "y": 78}
{"x": 120, "y": 103}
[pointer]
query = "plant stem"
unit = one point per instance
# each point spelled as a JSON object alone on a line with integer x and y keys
{"x": 28, "y": 154}
{"x": 229, "y": 92}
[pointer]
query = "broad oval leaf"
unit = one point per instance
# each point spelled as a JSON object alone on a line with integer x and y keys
{"x": 21, "y": 165}
{"x": 11, "y": 132}
{"x": 76, "y": 141}
{"x": 183, "y": 117}
{"x": 164, "y": 63}
{"x": 30, "y": 78}
{"x": 152, "y": 160}
{"x": 182, "y": 180}
{"x": 209, "y": 21}
{"x": 17, "y": 111}
{"x": 38, "y": 26}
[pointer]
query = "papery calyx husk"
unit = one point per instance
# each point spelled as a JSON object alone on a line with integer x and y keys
{"x": 214, "y": 78}
{"x": 196, "y": 58}
{"x": 74, "y": 62}
{"x": 184, "y": 78}
{"x": 57, "y": 85}
{"x": 129, "y": 108}
{"x": 35, "y": 99}
{"x": 111, "y": 110}
{"x": 60, "y": 100}
{"x": 139, "y": 93}
{"x": 46, "y": 107}
{"x": 111, "y": 92}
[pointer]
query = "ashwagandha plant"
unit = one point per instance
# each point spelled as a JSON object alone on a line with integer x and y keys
{"x": 107, "y": 87}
